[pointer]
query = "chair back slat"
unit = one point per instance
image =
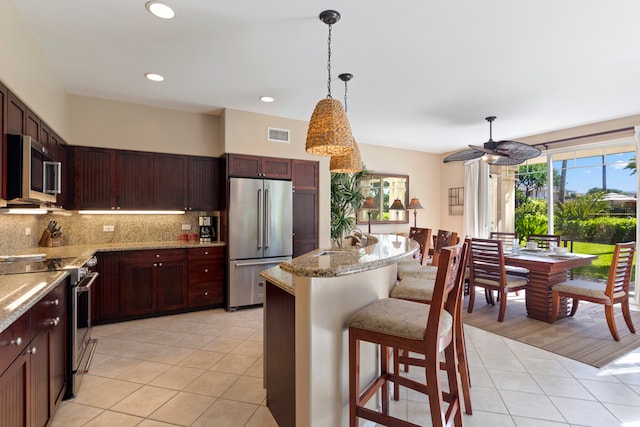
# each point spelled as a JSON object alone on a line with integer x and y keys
{"x": 422, "y": 236}
{"x": 506, "y": 238}
{"x": 543, "y": 240}
{"x": 620, "y": 270}
{"x": 487, "y": 260}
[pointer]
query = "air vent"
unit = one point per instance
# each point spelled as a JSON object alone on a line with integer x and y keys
{"x": 278, "y": 135}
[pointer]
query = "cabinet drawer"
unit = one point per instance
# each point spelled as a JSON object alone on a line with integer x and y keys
{"x": 18, "y": 331}
{"x": 200, "y": 254}
{"x": 209, "y": 293}
{"x": 163, "y": 255}
{"x": 204, "y": 271}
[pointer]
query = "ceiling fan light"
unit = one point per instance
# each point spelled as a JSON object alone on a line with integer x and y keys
{"x": 329, "y": 132}
{"x": 490, "y": 158}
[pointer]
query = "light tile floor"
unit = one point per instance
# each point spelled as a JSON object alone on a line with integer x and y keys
{"x": 205, "y": 369}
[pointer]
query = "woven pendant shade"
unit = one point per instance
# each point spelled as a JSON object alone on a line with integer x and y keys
{"x": 350, "y": 163}
{"x": 329, "y": 132}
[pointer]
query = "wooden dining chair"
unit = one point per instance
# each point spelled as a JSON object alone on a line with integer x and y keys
{"x": 487, "y": 270}
{"x": 426, "y": 330}
{"x": 614, "y": 291}
{"x": 544, "y": 240}
{"x": 421, "y": 290}
{"x": 423, "y": 237}
{"x": 428, "y": 269}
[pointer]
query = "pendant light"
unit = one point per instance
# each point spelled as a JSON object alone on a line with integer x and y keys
{"x": 329, "y": 132}
{"x": 352, "y": 162}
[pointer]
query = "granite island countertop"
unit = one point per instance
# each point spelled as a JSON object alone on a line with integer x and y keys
{"x": 20, "y": 292}
{"x": 336, "y": 262}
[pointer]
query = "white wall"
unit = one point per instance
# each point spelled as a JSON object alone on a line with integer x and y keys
{"x": 26, "y": 72}
{"x": 112, "y": 124}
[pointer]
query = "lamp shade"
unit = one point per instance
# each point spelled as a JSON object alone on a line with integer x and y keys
{"x": 370, "y": 203}
{"x": 397, "y": 205}
{"x": 329, "y": 132}
{"x": 349, "y": 163}
{"x": 415, "y": 204}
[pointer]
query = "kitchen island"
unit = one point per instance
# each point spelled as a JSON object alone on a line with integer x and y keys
{"x": 307, "y": 303}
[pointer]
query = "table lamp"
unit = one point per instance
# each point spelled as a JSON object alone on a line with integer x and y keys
{"x": 370, "y": 205}
{"x": 415, "y": 204}
{"x": 397, "y": 206}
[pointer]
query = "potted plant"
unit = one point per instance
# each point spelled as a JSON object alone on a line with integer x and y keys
{"x": 346, "y": 199}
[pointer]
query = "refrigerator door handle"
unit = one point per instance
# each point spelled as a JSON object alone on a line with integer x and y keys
{"x": 260, "y": 218}
{"x": 267, "y": 218}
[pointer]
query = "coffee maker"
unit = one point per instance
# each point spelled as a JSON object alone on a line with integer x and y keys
{"x": 207, "y": 232}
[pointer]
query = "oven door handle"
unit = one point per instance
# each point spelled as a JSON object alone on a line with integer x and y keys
{"x": 87, "y": 281}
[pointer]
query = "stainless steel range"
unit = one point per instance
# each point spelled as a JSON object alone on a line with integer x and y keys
{"x": 82, "y": 344}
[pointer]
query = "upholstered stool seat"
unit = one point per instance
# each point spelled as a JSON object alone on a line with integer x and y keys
{"x": 512, "y": 282}
{"x": 414, "y": 288}
{"x": 399, "y": 318}
{"x": 408, "y": 270}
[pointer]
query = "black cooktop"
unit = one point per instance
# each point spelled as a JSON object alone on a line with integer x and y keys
{"x": 34, "y": 266}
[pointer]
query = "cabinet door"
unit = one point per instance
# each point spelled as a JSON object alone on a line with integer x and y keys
{"x": 169, "y": 182}
{"x": 107, "y": 294}
{"x": 94, "y": 178}
{"x": 204, "y": 184}
{"x": 33, "y": 127}
{"x": 171, "y": 279}
{"x": 16, "y": 115}
{"x": 138, "y": 280}
{"x": 206, "y": 277}
{"x": 304, "y": 174}
{"x": 62, "y": 199}
{"x": 45, "y": 137}
{"x": 241, "y": 165}
{"x": 134, "y": 181}
{"x": 58, "y": 358}
{"x": 4, "y": 107}
{"x": 39, "y": 383}
{"x": 13, "y": 393}
{"x": 273, "y": 167}
{"x": 305, "y": 221}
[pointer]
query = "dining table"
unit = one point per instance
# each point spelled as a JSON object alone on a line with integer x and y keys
{"x": 546, "y": 268}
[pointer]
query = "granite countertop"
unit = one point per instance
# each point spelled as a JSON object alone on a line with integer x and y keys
{"x": 20, "y": 292}
{"x": 338, "y": 262}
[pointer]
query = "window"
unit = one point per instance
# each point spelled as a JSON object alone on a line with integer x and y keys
{"x": 385, "y": 188}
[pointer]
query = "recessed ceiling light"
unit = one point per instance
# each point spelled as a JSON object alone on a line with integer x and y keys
{"x": 266, "y": 99}
{"x": 160, "y": 10}
{"x": 154, "y": 77}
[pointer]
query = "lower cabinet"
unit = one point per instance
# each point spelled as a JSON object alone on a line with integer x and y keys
{"x": 143, "y": 283}
{"x": 206, "y": 277}
{"x": 32, "y": 384}
{"x": 154, "y": 281}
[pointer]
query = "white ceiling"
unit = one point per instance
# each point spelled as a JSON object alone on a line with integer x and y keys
{"x": 426, "y": 72}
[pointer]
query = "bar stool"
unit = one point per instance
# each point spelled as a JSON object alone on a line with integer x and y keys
{"x": 418, "y": 328}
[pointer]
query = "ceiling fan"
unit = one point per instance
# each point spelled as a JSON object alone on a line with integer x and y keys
{"x": 502, "y": 153}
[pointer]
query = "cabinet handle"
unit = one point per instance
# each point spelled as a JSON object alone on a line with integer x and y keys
{"x": 206, "y": 252}
{"x": 206, "y": 293}
{"x": 32, "y": 350}
{"x": 54, "y": 322}
{"x": 17, "y": 341}
{"x": 155, "y": 264}
{"x": 55, "y": 302}
{"x": 159, "y": 264}
{"x": 157, "y": 255}
{"x": 206, "y": 270}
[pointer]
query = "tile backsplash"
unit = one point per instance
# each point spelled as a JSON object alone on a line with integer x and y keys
{"x": 86, "y": 229}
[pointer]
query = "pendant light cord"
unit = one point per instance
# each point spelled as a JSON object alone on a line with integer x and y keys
{"x": 345, "y": 96}
{"x": 329, "y": 64}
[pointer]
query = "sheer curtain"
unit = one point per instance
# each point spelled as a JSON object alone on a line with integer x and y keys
{"x": 476, "y": 204}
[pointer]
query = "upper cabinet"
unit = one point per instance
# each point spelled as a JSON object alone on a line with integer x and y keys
{"x": 124, "y": 179}
{"x": 245, "y": 166}
{"x": 16, "y": 115}
{"x": 4, "y": 103}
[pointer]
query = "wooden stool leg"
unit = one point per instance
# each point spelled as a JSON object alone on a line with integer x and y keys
{"x": 354, "y": 379}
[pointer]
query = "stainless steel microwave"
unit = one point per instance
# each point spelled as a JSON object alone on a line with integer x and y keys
{"x": 32, "y": 171}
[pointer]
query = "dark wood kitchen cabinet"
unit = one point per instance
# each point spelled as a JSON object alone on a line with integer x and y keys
{"x": 33, "y": 384}
{"x": 94, "y": 178}
{"x": 107, "y": 298}
{"x": 206, "y": 277}
{"x": 134, "y": 180}
{"x": 4, "y": 107}
{"x": 305, "y": 206}
{"x": 246, "y": 166}
{"x": 170, "y": 177}
{"x": 154, "y": 281}
{"x": 16, "y": 115}
{"x": 204, "y": 185}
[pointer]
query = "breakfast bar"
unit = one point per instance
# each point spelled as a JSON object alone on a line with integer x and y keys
{"x": 307, "y": 303}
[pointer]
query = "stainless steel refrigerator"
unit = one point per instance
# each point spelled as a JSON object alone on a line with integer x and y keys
{"x": 260, "y": 235}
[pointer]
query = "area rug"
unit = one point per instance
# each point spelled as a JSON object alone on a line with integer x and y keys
{"x": 584, "y": 337}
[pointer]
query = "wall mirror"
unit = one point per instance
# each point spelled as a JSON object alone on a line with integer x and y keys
{"x": 384, "y": 189}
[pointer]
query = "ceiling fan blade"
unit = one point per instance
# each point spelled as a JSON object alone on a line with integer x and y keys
{"x": 486, "y": 149}
{"x": 462, "y": 156}
{"x": 517, "y": 150}
{"x": 507, "y": 161}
